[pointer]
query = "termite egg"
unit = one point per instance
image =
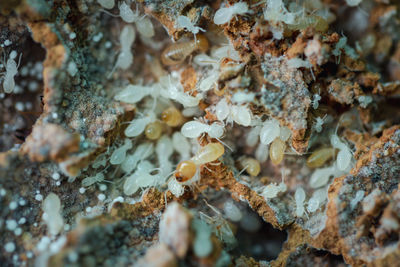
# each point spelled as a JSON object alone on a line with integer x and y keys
{"x": 185, "y": 171}
{"x": 252, "y": 166}
{"x": 172, "y": 117}
{"x": 177, "y": 53}
{"x": 153, "y": 130}
{"x": 320, "y": 156}
{"x": 276, "y": 151}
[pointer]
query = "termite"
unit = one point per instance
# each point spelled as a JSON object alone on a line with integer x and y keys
{"x": 177, "y": 53}
{"x": 187, "y": 169}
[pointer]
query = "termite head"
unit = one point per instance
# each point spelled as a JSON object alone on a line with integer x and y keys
{"x": 202, "y": 43}
{"x": 185, "y": 171}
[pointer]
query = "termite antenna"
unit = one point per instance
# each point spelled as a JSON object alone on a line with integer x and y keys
{"x": 109, "y": 13}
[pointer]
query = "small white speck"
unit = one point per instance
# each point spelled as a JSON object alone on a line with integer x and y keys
{"x": 73, "y": 256}
{"x": 82, "y": 190}
{"x": 72, "y": 35}
{"x": 19, "y": 106}
{"x": 55, "y": 176}
{"x": 101, "y": 197}
{"x": 67, "y": 227}
{"x": 9, "y": 247}
{"x": 108, "y": 44}
{"x": 103, "y": 187}
{"x": 58, "y": 183}
{"x": 35, "y": 224}
{"x": 39, "y": 197}
{"x": 13, "y": 205}
{"x": 98, "y": 37}
{"x": 54, "y": 115}
{"x": 22, "y": 220}
{"x": 88, "y": 209}
{"x": 29, "y": 254}
{"x": 2, "y": 192}
{"x": 7, "y": 42}
{"x": 11, "y": 225}
{"x": 22, "y": 202}
{"x": 18, "y": 231}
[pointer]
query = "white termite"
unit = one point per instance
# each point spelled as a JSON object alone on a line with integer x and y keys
{"x": 52, "y": 213}
{"x": 125, "y": 57}
{"x": 318, "y": 123}
{"x": 137, "y": 126}
{"x": 194, "y": 129}
{"x": 262, "y": 153}
{"x": 143, "y": 151}
{"x": 232, "y": 211}
{"x": 88, "y": 181}
{"x": 299, "y": 197}
{"x": 164, "y": 150}
{"x": 171, "y": 88}
{"x": 317, "y": 199}
{"x": 11, "y": 71}
{"x": 252, "y": 136}
{"x": 119, "y": 155}
{"x": 176, "y": 188}
{"x": 315, "y": 101}
{"x": 233, "y": 113}
{"x": 126, "y": 13}
{"x": 186, "y": 23}
{"x": 133, "y": 94}
{"x": 181, "y": 145}
{"x": 141, "y": 178}
{"x": 344, "y": 156}
{"x": 225, "y": 14}
{"x": 272, "y": 190}
{"x": 269, "y": 131}
{"x": 320, "y": 177}
{"x": 208, "y": 82}
{"x": 225, "y": 51}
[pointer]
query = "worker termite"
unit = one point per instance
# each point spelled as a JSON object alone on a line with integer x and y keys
{"x": 141, "y": 178}
{"x": 272, "y": 190}
{"x": 194, "y": 129}
{"x": 269, "y": 132}
{"x": 142, "y": 152}
{"x": 164, "y": 151}
{"x": 11, "y": 71}
{"x": 225, "y": 14}
{"x": 125, "y": 57}
{"x": 186, "y": 23}
{"x": 188, "y": 169}
{"x": 344, "y": 156}
{"x": 299, "y": 197}
{"x": 88, "y": 181}
{"x": 233, "y": 113}
{"x": 177, "y": 53}
{"x": 119, "y": 155}
{"x": 137, "y": 126}
{"x": 181, "y": 145}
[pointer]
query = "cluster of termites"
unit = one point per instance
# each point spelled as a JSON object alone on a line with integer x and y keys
{"x": 162, "y": 142}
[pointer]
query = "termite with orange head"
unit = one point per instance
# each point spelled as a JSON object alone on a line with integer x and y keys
{"x": 177, "y": 53}
{"x": 188, "y": 169}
